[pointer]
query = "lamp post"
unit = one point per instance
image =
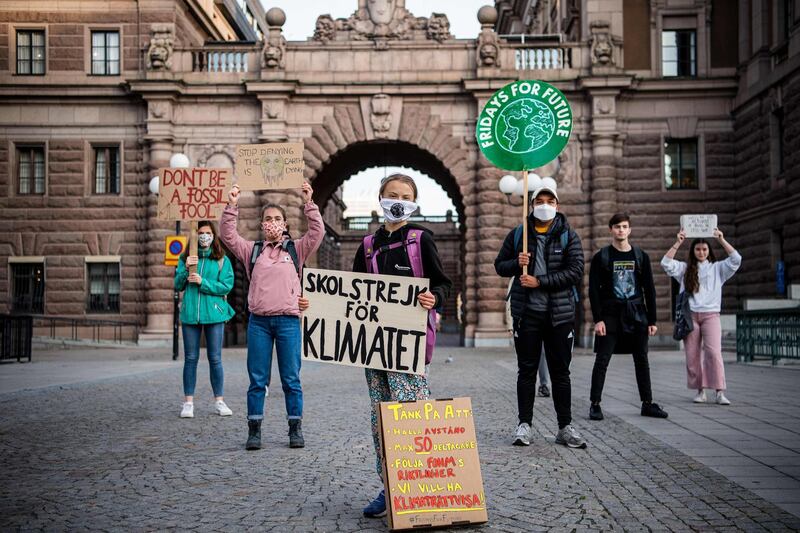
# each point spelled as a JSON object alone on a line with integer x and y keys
{"x": 178, "y": 160}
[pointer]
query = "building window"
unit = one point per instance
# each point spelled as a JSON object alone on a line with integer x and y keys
{"x": 104, "y": 284}
{"x": 27, "y": 286}
{"x": 30, "y": 52}
{"x": 679, "y": 53}
{"x": 680, "y": 164}
{"x": 106, "y": 170}
{"x": 30, "y": 169}
{"x": 105, "y": 53}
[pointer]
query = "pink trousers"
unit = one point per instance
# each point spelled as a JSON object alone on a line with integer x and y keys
{"x": 703, "y": 345}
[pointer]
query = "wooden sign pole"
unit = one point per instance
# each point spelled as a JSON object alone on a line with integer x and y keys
{"x": 525, "y": 215}
{"x": 193, "y": 244}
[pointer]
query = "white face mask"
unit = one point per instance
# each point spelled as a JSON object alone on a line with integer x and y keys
{"x": 544, "y": 212}
{"x": 395, "y": 210}
{"x": 205, "y": 239}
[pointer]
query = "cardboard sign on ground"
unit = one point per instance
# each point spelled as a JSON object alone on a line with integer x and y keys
{"x": 697, "y": 226}
{"x": 269, "y": 166}
{"x": 364, "y": 320}
{"x": 432, "y": 474}
{"x": 193, "y": 193}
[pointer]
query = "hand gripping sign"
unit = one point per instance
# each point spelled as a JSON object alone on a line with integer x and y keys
{"x": 192, "y": 194}
{"x": 524, "y": 125}
{"x": 364, "y": 320}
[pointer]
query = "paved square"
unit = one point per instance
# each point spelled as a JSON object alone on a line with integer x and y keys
{"x": 112, "y": 453}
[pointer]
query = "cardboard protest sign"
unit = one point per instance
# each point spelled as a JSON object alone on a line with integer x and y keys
{"x": 524, "y": 125}
{"x": 432, "y": 474}
{"x": 698, "y": 225}
{"x": 269, "y": 166}
{"x": 364, "y": 320}
{"x": 192, "y": 193}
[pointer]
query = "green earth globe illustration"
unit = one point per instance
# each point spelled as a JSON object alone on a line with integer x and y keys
{"x": 524, "y": 126}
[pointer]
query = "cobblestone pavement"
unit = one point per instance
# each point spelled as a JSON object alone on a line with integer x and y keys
{"x": 112, "y": 454}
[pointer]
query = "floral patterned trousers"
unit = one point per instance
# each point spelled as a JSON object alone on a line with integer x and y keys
{"x": 392, "y": 387}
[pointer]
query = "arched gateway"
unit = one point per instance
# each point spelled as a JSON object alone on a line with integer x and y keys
{"x": 361, "y": 92}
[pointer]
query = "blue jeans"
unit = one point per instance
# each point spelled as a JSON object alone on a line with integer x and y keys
{"x": 191, "y": 353}
{"x": 284, "y": 332}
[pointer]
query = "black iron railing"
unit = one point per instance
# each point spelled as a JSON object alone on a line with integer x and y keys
{"x": 15, "y": 337}
{"x": 85, "y": 329}
{"x": 362, "y": 223}
{"x": 773, "y": 334}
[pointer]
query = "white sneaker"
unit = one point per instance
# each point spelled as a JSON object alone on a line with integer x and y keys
{"x": 523, "y": 435}
{"x": 222, "y": 409}
{"x": 721, "y": 399}
{"x": 188, "y": 410}
{"x": 700, "y": 398}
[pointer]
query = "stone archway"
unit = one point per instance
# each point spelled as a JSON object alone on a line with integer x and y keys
{"x": 345, "y": 144}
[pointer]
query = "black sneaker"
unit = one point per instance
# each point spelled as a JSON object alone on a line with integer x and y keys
{"x": 544, "y": 391}
{"x": 595, "y": 413}
{"x": 653, "y": 410}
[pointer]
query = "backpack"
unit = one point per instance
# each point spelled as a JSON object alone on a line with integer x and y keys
{"x": 605, "y": 257}
{"x": 287, "y": 245}
{"x": 564, "y": 242}
{"x": 414, "y": 251}
{"x": 683, "y": 317}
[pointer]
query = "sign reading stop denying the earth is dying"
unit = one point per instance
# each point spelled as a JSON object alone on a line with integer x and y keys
{"x": 432, "y": 473}
{"x": 269, "y": 166}
{"x": 524, "y": 125}
{"x": 192, "y": 193}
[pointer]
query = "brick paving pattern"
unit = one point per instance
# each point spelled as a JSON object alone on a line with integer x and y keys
{"x": 112, "y": 454}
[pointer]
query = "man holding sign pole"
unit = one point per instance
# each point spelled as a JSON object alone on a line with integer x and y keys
{"x": 543, "y": 301}
{"x": 273, "y": 266}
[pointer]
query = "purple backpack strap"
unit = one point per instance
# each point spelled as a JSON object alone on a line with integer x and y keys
{"x": 369, "y": 256}
{"x": 414, "y": 251}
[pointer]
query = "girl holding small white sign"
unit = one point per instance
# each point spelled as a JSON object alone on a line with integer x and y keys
{"x": 702, "y": 278}
{"x": 401, "y": 249}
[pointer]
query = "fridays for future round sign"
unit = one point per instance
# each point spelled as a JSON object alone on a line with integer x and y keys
{"x": 524, "y": 125}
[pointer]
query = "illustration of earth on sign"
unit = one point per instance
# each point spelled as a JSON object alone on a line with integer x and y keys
{"x": 524, "y": 126}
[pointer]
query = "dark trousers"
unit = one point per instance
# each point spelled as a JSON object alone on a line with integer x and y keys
{"x": 530, "y": 331}
{"x": 604, "y": 351}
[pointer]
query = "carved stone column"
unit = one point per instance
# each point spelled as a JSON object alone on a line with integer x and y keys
{"x": 158, "y": 287}
{"x": 491, "y": 327}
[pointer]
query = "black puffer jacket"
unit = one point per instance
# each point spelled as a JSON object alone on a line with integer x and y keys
{"x": 564, "y": 269}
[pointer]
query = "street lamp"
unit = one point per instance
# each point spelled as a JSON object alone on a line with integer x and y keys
{"x": 178, "y": 160}
{"x": 509, "y": 185}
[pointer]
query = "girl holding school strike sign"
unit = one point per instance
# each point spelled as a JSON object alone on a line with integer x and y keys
{"x": 400, "y": 249}
{"x": 273, "y": 266}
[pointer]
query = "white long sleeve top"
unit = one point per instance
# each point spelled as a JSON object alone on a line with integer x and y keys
{"x": 708, "y": 299}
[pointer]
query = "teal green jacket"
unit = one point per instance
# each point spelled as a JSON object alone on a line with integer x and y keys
{"x": 206, "y": 303}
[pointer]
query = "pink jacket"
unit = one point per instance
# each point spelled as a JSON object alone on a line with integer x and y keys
{"x": 274, "y": 284}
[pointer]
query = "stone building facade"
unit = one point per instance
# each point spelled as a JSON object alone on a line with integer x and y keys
{"x": 669, "y": 119}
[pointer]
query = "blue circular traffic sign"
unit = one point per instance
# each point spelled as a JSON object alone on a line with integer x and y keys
{"x": 176, "y": 247}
